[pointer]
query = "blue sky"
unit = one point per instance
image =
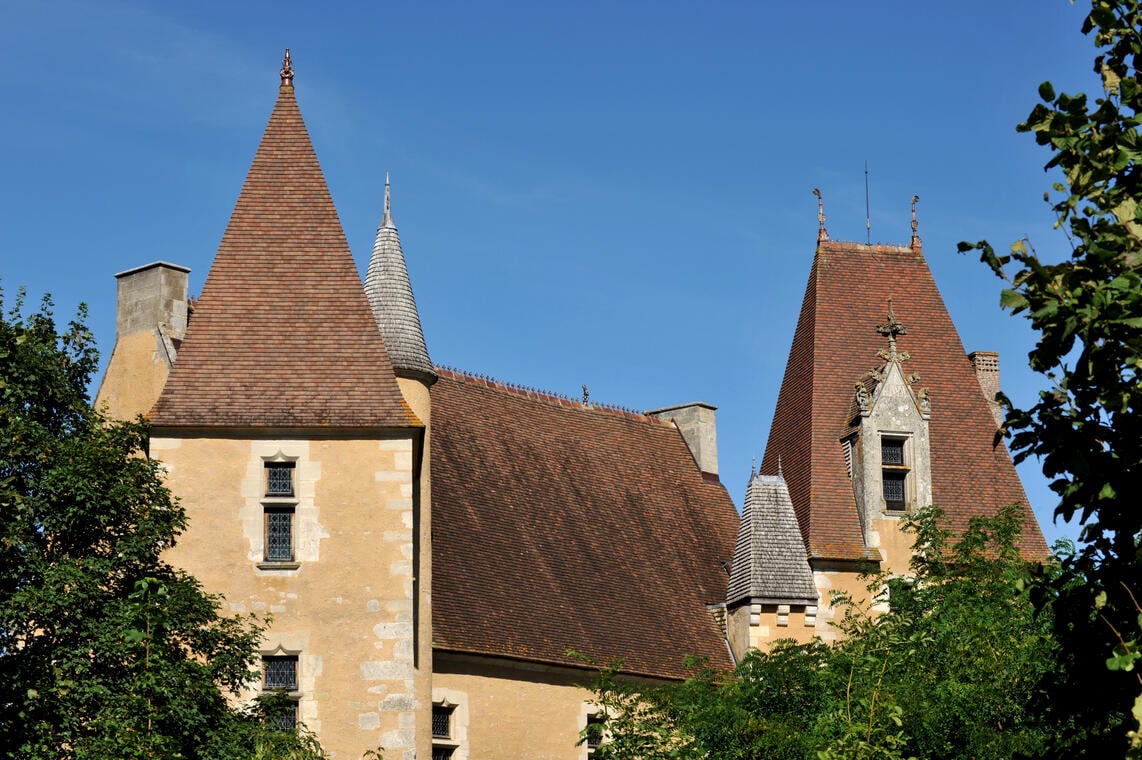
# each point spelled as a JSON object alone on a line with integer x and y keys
{"x": 615, "y": 194}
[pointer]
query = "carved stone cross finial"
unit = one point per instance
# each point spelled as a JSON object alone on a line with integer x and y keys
{"x": 822, "y": 234}
{"x": 890, "y": 330}
{"x": 287, "y": 71}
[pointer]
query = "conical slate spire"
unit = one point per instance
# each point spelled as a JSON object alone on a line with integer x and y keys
{"x": 394, "y": 306}
{"x": 770, "y": 564}
{"x": 282, "y": 335}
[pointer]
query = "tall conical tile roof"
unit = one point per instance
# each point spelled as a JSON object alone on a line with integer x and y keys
{"x": 282, "y": 335}
{"x": 770, "y": 564}
{"x": 835, "y": 345}
{"x": 390, "y": 295}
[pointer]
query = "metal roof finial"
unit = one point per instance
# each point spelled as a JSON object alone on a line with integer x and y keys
{"x": 387, "y": 219}
{"x": 822, "y": 234}
{"x": 915, "y": 225}
{"x": 780, "y": 474}
{"x": 287, "y": 72}
{"x": 586, "y": 395}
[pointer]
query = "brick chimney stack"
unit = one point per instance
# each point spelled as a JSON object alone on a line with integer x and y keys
{"x": 986, "y": 366}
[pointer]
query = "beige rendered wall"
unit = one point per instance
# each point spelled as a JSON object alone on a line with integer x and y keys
{"x": 507, "y": 712}
{"x": 831, "y": 577}
{"x": 757, "y": 626}
{"x": 347, "y": 608}
{"x": 135, "y": 376}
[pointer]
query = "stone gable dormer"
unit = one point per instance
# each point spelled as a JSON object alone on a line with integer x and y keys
{"x": 888, "y": 452}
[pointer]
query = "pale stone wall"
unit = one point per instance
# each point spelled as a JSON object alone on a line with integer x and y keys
{"x": 347, "y": 605}
{"x": 416, "y": 395}
{"x": 525, "y": 712}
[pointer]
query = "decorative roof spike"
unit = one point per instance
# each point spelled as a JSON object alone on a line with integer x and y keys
{"x": 822, "y": 233}
{"x": 915, "y": 226}
{"x": 287, "y": 72}
{"x": 387, "y": 218}
{"x": 753, "y": 468}
{"x": 780, "y": 474}
{"x": 586, "y": 395}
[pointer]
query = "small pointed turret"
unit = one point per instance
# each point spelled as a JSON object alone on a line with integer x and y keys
{"x": 770, "y": 563}
{"x": 394, "y": 307}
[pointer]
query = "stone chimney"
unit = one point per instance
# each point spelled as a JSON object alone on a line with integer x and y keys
{"x": 699, "y": 429}
{"x": 150, "y": 322}
{"x": 151, "y": 295}
{"x": 986, "y": 366}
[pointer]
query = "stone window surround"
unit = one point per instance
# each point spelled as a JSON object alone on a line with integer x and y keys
{"x": 295, "y": 694}
{"x": 457, "y": 701}
{"x": 280, "y": 504}
{"x": 588, "y": 711}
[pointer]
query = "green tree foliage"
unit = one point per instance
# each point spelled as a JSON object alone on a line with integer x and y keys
{"x": 949, "y": 664}
{"x": 1087, "y": 426}
{"x": 106, "y": 651}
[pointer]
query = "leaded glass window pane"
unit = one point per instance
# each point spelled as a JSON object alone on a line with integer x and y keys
{"x": 284, "y": 717}
{"x": 594, "y": 731}
{"x": 279, "y": 535}
{"x": 441, "y": 722}
{"x": 894, "y": 490}
{"x": 279, "y": 479}
{"x": 892, "y": 452}
{"x": 442, "y": 753}
{"x": 280, "y": 672}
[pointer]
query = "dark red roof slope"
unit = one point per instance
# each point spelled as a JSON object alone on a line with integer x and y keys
{"x": 834, "y": 346}
{"x": 283, "y": 335}
{"x": 559, "y": 526}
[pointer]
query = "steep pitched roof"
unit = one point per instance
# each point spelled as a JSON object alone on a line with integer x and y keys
{"x": 834, "y": 346}
{"x": 390, "y": 295}
{"x": 560, "y": 526}
{"x": 282, "y": 334}
{"x": 769, "y": 561}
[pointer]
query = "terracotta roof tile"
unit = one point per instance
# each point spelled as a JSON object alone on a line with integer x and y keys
{"x": 834, "y": 346}
{"x": 560, "y": 526}
{"x": 282, "y": 335}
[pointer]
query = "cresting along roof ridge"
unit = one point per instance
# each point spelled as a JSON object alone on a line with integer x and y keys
{"x": 541, "y": 394}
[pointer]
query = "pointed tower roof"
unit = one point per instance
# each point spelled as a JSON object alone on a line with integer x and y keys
{"x": 770, "y": 564}
{"x": 390, "y": 295}
{"x": 835, "y": 344}
{"x": 282, "y": 335}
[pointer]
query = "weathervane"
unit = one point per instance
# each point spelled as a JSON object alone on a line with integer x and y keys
{"x": 822, "y": 234}
{"x": 915, "y": 225}
{"x": 287, "y": 71}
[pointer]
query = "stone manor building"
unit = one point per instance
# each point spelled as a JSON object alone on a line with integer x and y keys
{"x": 432, "y": 545}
